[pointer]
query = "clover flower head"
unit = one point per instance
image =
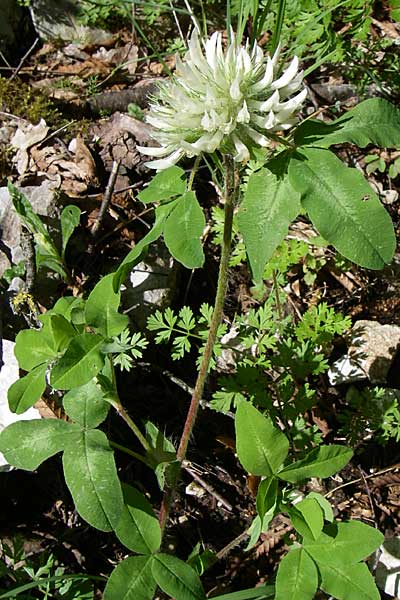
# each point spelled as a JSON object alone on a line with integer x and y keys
{"x": 227, "y": 100}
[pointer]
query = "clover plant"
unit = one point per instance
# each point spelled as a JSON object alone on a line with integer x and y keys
{"x": 223, "y": 104}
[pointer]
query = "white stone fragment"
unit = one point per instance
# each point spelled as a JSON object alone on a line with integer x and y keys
{"x": 8, "y": 374}
{"x": 371, "y": 350}
{"x": 388, "y": 570}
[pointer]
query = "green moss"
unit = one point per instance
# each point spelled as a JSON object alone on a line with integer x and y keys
{"x": 21, "y": 100}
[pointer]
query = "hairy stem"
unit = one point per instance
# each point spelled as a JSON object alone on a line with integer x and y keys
{"x": 231, "y": 192}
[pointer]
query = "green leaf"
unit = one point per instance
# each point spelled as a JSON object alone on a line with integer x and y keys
{"x": 267, "y": 495}
{"x": 308, "y": 518}
{"x": 177, "y": 578}
{"x": 138, "y": 528}
{"x": 66, "y": 305}
{"x": 162, "y": 455}
{"x": 260, "y": 446}
{"x": 134, "y": 255}
{"x": 132, "y": 579}
{"x": 374, "y": 121}
{"x": 70, "y": 218}
{"x": 26, "y": 391}
{"x": 323, "y": 461}
{"x": 80, "y": 363}
{"x": 166, "y": 184}
{"x": 343, "y": 207}
{"x": 91, "y": 476}
{"x": 347, "y": 543}
{"x": 32, "y": 349}
{"x": 32, "y": 222}
{"x": 85, "y": 404}
{"x": 324, "y": 504}
{"x": 101, "y": 310}
{"x": 254, "y": 532}
{"x": 297, "y": 577}
{"x": 269, "y": 206}
{"x": 348, "y": 582}
{"x": 262, "y": 592}
{"x": 26, "y": 444}
{"x": 183, "y": 229}
{"x": 57, "y": 331}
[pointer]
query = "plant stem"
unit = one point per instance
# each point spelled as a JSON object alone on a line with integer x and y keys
{"x": 128, "y": 451}
{"x": 231, "y": 192}
{"x": 116, "y": 403}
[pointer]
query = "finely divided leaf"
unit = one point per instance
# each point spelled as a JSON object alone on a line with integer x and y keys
{"x": 269, "y": 206}
{"x": 343, "y": 207}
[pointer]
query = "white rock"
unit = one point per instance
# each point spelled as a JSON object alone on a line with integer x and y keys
{"x": 388, "y": 569}
{"x": 345, "y": 370}
{"x": 372, "y": 348}
{"x": 8, "y": 374}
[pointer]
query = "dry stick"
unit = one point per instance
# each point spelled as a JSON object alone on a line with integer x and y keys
{"x": 106, "y": 198}
{"x": 209, "y": 488}
{"x": 231, "y": 191}
{"x": 360, "y": 479}
{"x": 23, "y": 59}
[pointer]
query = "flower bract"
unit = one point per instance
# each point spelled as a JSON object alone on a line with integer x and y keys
{"x": 222, "y": 99}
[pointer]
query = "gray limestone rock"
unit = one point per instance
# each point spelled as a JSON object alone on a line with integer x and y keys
{"x": 59, "y": 20}
{"x": 43, "y": 200}
{"x": 151, "y": 285}
{"x": 371, "y": 350}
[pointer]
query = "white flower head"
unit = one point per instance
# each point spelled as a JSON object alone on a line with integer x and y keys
{"x": 225, "y": 100}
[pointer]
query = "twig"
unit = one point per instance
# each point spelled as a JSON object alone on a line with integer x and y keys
{"x": 23, "y": 59}
{"x": 5, "y": 60}
{"x": 226, "y": 549}
{"x": 106, "y": 198}
{"x": 206, "y": 486}
{"x": 377, "y": 552}
{"x": 57, "y": 131}
{"x": 11, "y": 116}
{"x": 368, "y": 494}
{"x": 360, "y": 479}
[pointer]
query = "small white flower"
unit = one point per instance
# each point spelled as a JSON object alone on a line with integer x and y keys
{"x": 222, "y": 100}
